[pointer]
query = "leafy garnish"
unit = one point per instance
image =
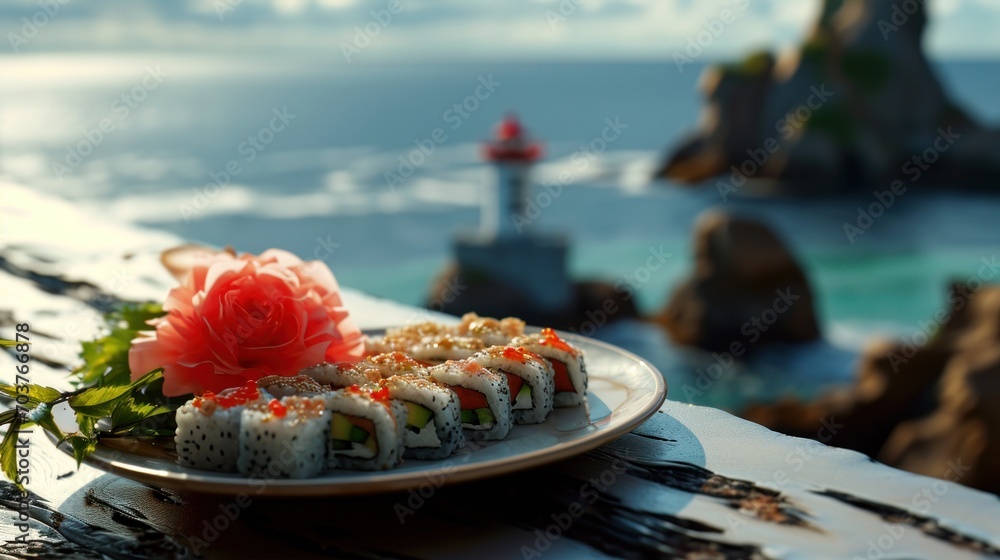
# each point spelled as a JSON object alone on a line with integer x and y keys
{"x": 8, "y": 450}
{"x": 82, "y": 446}
{"x": 105, "y": 360}
{"x": 35, "y": 393}
{"x": 99, "y": 401}
{"x": 129, "y": 412}
{"x": 107, "y": 403}
{"x": 91, "y": 405}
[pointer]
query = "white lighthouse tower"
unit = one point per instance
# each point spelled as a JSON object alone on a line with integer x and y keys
{"x": 513, "y": 154}
{"x": 505, "y": 267}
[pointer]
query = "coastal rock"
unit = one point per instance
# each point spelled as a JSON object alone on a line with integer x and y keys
{"x": 890, "y": 388}
{"x": 930, "y": 404}
{"x": 457, "y": 291}
{"x": 963, "y": 431}
{"x": 746, "y": 288}
{"x": 846, "y": 109}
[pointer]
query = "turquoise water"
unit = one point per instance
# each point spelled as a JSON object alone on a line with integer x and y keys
{"x": 318, "y": 187}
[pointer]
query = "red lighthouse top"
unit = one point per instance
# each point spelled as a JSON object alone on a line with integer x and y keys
{"x": 511, "y": 144}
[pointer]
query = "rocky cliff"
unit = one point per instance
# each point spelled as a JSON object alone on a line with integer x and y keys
{"x": 857, "y": 105}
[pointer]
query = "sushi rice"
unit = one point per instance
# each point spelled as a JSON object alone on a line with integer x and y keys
{"x": 208, "y": 427}
{"x": 567, "y": 363}
{"x": 434, "y": 424}
{"x": 530, "y": 378}
{"x": 284, "y": 438}
{"x": 484, "y": 397}
{"x": 300, "y": 385}
{"x": 366, "y": 431}
{"x": 342, "y": 375}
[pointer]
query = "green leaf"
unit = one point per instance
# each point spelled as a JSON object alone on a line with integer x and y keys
{"x": 47, "y": 422}
{"x": 85, "y": 424}
{"x": 8, "y": 451}
{"x": 105, "y": 360}
{"x": 99, "y": 401}
{"x": 148, "y": 379}
{"x": 36, "y": 394}
{"x": 106, "y": 391}
{"x": 82, "y": 446}
{"x": 137, "y": 316}
{"x": 128, "y": 413}
{"x": 7, "y": 416}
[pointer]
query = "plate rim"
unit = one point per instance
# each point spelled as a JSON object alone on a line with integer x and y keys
{"x": 385, "y": 482}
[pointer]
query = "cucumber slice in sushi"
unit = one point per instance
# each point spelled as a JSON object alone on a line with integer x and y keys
{"x": 478, "y": 417}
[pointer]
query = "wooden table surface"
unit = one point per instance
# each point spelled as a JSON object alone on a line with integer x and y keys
{"x": 691, "y": 482}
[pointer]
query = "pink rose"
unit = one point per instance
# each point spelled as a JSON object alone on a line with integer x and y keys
{"x": 239, "y": 318}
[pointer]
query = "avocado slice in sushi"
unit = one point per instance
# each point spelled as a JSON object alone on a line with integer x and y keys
{"x": 345, "y": 431}
{"x": 340, "y": 428}
{"x": 485, "y": 416}
{"x": 417, "y": 416}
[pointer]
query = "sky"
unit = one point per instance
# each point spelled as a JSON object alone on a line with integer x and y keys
{"x": 441, "y": 30}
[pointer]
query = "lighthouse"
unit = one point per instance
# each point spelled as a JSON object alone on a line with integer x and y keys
{"x": 504, "y": 267}
{"x": 513, "y": 154}
{"x": 509, "y": 267}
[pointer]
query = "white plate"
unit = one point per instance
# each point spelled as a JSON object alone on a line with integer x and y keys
{"x": 623, "y": 392}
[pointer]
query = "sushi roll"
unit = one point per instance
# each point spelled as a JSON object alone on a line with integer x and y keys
{"x": 566, "y": 361}
{"x": 438, "y": 342}
{"x": 208, "y": 427}
{"x": 483, "y": 395}
{"x": 438, "y": 349}
{"x": 366, "y": 429}
{"x": 530, "y": 378}
{"x": 284, "y": 438}
{"x": 492, "y": 332}
{"x": 433, "y": 418}
{"x": 396, "y": 363}
{"x": 401, "y": 339}
{"x": 341, "y": 375}
{"x": 280, "y": 386}
{"x": 418, "y": 330}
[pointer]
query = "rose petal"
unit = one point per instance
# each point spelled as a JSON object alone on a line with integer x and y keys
{"x": 234, "y": 319}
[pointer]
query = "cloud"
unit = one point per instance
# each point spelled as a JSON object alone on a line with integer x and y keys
{"x": 454, "y": 29}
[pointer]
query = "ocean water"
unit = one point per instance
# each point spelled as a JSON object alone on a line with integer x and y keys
{"x": 264, "y": 153}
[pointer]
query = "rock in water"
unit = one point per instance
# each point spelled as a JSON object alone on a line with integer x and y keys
{"x": 962, "y": 436}
{"x": 746, "y": 288}
{"x": 856, "y": 105}
{"x": 929, "y": 405}
{"x": 594, "y": 304}
{"x": 894, "y": 384}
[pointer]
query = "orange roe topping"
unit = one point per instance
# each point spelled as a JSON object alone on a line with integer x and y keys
{"x": 248, "y": 392}
{"x": 400, "y": 357}
{"x": 207, "y": 398}
{"x": 381, "y": 395}
{"x": 277, "y": 408}
{"x": 516, "y": 354}
{"x": 551, "y": 339}
{"x": 472, "y": 367}
{"x": 354, "y": 389}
